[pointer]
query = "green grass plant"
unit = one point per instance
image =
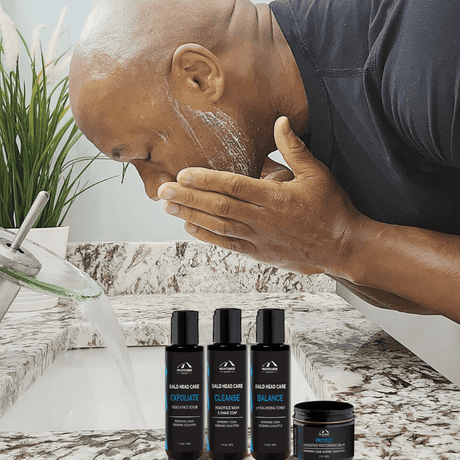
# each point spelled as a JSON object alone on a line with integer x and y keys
{"x": 37, "y": 133}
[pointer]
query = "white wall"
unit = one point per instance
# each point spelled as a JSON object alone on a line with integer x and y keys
{"x": 111, "y": 211}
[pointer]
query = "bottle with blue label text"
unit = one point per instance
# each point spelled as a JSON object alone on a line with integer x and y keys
{"x": 184, "y": 385}
{"x": 270, "y": 388}
{"x": 227, "y": 388}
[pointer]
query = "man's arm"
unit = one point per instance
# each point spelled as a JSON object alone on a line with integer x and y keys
{"x": 309, "y": 225}
{"x": 383, "y": 299}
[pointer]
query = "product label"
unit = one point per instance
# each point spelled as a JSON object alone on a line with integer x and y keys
{"x": 331, "y": 442}
{"x": 184, "y": 401}
{"x": 227, "y": 401}
{"x": 270, "y": 401}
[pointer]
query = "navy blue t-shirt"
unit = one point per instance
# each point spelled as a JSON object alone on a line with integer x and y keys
{"x": 382, "y": 78}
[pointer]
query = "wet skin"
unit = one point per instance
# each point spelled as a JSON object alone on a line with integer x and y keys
{"x": 306, "y": 224}
{"x": 148, "y": 130}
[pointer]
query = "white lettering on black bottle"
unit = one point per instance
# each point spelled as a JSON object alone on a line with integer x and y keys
{"x": 184, "y": 401}
{"x": 270, "y": 388}
{"x": 227, "y": 388}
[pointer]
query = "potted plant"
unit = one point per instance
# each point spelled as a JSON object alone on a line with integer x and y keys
{"x": 37, "y": 133}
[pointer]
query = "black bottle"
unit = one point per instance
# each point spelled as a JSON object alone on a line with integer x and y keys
{"x": 184, "y": 401}
{"x": 270, "y": 388}
{"x": 227, "y": 388}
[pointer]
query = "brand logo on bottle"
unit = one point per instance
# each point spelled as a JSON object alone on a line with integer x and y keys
{"x": 227, "y": 367}
{"x": 270, "y": 367}
{"x": 324, "y": 434}
{"x": 184, "y": 368}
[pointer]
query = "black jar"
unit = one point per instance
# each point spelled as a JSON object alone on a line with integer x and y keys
{"x": 324, "y": 430}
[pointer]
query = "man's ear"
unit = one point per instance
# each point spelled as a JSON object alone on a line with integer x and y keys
{"x": 196, "y": 74}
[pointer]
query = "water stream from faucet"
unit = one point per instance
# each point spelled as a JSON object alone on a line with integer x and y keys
{"x": 58, "y": 277}
{"x": 102, "y": 317}
{"x": 98, "y": 311}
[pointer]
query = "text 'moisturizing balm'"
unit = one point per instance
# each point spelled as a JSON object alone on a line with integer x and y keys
{"x": 324, "y": 430}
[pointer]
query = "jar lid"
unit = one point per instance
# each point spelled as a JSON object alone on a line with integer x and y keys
{"x": 323, "y": 411}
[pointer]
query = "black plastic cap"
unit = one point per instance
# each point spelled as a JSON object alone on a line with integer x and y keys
{"x": 323, "y": 411}
{"x": 184, "y": 327}
{"x": 270, "y": 326}
{"x": 227, "y": 325}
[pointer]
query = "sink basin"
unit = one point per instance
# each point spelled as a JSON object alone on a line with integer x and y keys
{"x": 83, "y": 390}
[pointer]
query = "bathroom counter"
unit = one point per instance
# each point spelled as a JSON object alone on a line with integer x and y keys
{"x": 404, "y": 409}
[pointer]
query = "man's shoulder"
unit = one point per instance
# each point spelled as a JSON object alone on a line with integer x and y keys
{"x": 334, "y": 32}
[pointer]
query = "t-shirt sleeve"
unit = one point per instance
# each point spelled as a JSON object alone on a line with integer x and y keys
{"x": 417, "y": 62}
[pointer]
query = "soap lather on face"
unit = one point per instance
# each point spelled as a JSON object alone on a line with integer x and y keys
{"x": 127, "y": 100}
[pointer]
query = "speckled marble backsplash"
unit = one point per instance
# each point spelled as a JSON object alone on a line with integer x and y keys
{"x": 184, "y": 267}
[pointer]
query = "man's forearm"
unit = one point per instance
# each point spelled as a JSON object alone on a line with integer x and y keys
{"x": 419, "y": 265}
{"x": 383, "y": 299}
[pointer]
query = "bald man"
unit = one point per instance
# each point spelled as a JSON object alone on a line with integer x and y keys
{"x": 189, "y": 93}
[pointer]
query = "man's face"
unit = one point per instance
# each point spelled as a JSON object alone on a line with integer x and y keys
{"x": 159, "y": 136}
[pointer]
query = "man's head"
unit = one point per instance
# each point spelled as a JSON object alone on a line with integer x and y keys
{"x": 171, "y": 84}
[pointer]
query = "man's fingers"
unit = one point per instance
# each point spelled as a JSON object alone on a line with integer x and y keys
{"x": 242, "y": 188}
{"x": 282, "y": 175}
{"x": 219, "y": 225}
{"x": 293, "y": 149}
{"x": 230, "y": 184}
{"x": 209, "y": 202}
{"x": 234, "y": 244}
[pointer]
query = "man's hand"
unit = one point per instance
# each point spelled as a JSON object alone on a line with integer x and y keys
{"x": 309, "y": 225}
{"x": 300, "y": 225}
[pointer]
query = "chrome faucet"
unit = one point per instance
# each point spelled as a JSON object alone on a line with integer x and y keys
{"x": 13, "y": 257}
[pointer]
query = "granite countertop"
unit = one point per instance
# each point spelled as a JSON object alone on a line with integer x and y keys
{"x": 404, "y": 409}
